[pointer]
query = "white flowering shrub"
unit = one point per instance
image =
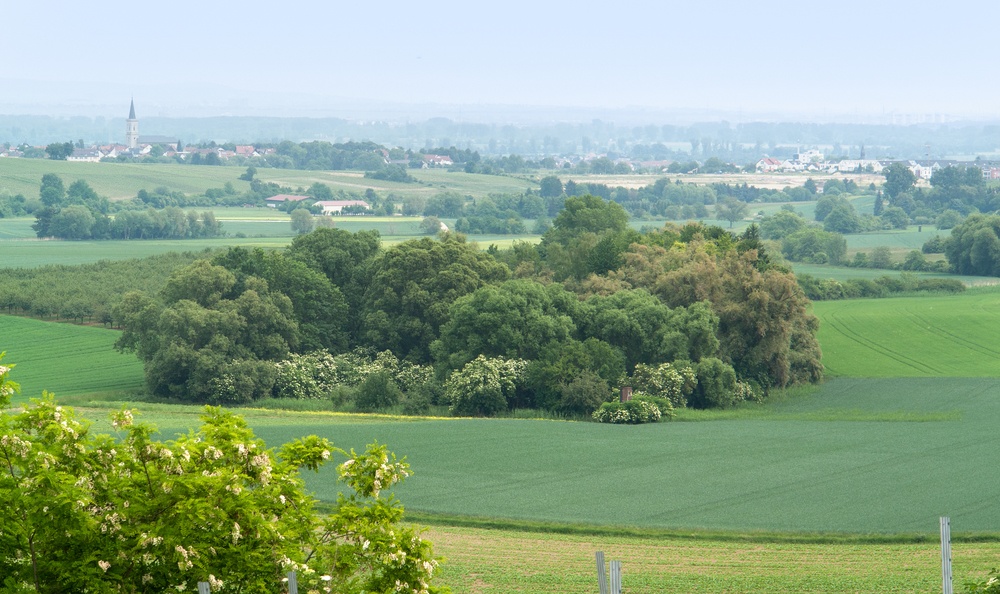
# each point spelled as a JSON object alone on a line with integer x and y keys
{"x": 746, "y": 392}
{"x": 672, "y": 382}
{"x": 353, "y": 368}
{"x": 309, "y": 376}
{"x": 484, "y": 385}
{"x": 132, "y": 514}
{"x": 633, "y": 412}
{"x": 665, "y": 407}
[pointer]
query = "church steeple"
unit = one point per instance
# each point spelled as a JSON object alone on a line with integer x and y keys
{"x": 132, "y": 128}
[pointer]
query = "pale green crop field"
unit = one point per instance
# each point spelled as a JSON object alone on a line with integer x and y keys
{"x": 843, "y": 273}
{"x": 949, "y": 336}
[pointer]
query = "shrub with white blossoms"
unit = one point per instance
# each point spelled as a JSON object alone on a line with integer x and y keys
{"x": 132, "y": 514}
{"x": 484, "y": 386}
{"x": 354, "y": 367}
{"x": 308, "y": 376}
{"x": 746, "y": 391}
{"x": 673, "y": 382}
{"x": 633, "y": 412}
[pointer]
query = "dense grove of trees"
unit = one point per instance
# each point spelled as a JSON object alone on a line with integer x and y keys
{"x": 220, "y": 329}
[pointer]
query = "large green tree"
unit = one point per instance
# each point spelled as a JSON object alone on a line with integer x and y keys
{"x": 647, "y": 331}
{"x": 319, "y": 307}
{"x": 413, "y": 284}
{"x": 344, "y": 258}
{"x": 974, "y": 247}
{"x": 898, "y": 179}
{"x": 195, "y": 344}
{"x": 514, "y": 320}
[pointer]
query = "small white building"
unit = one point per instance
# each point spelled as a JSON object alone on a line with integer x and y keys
{"x": 336, "y": 206}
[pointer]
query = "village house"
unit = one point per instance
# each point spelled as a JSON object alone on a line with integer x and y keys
{"x": 440, "y": 160}
{"x": 768, "y": 164}
{"x": 336, "y": 206}
{"x": 86, "y": 155}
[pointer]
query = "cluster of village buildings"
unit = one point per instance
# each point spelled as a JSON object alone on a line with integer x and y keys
{"x": 813, "y": 160}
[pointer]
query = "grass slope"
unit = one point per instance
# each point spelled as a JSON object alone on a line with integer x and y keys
{"x": 497, "y": 562}
{"x": 65, "y": 359}
{"x": 952, "y": 336}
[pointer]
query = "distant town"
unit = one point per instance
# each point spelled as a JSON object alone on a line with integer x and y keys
{"x": 142, "y": 147}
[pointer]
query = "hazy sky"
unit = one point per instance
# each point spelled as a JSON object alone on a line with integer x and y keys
{"x": 798, "y": 57}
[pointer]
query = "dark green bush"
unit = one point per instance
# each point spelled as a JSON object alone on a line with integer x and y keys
{"x": 584, "y": 394}
{"x": 377, "y": 392}
{"x": 716, "y": 384}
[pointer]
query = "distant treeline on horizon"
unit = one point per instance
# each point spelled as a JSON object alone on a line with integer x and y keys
{"x": 735, "y": 143}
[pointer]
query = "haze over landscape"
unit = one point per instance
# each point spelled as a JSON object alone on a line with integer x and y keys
{"x": 642, "y": 61}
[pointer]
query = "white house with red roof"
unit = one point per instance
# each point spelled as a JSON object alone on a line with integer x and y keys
{"x": 767, "y": 165}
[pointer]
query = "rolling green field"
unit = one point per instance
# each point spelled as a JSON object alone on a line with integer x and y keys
{"x": 953, "y": 336}
{"x": 65, "y": 359}
{"x": 124, "y": 180}
{"x": 789, "y": 469}
{"x": 909, "y": 238}
{"x": 19, "y": 248}
{"x": 842, "y": 273}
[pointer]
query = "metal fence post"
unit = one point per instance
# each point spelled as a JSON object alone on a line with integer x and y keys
{"x": 616, "y": 577}
{"x": 602, "y": 579}
{"x": 946, "y": 555}
{"x": 204, "y": 588}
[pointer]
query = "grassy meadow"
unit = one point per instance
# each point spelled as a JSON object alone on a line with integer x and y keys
{"x": 66, "y": 359}
{"x": 501, "y": 561}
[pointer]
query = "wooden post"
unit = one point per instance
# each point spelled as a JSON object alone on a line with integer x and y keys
{"x": 616, "y": 577}
{"x": 626, "y": 395}
{"x": 204, "y": 588}
{"x": 602, "y": 578}
{"x": 946, "y": 555}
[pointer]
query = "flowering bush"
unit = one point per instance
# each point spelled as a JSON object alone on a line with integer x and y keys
{"x": 746, "y": 392}
{"x": 483, "y": 386}
{"x": 309, "y": 376}
{"x": 632, "y": 412}
{"x": 665, "y": 407}
{"x": 132, "y": 514}
{"x": 670, "y": 381}
{"x": 354, "y": 367}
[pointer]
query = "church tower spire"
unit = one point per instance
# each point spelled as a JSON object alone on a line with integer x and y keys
{"x": 132, "y": 128}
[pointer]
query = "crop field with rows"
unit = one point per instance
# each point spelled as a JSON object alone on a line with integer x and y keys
{"x": 943, "y": 336}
